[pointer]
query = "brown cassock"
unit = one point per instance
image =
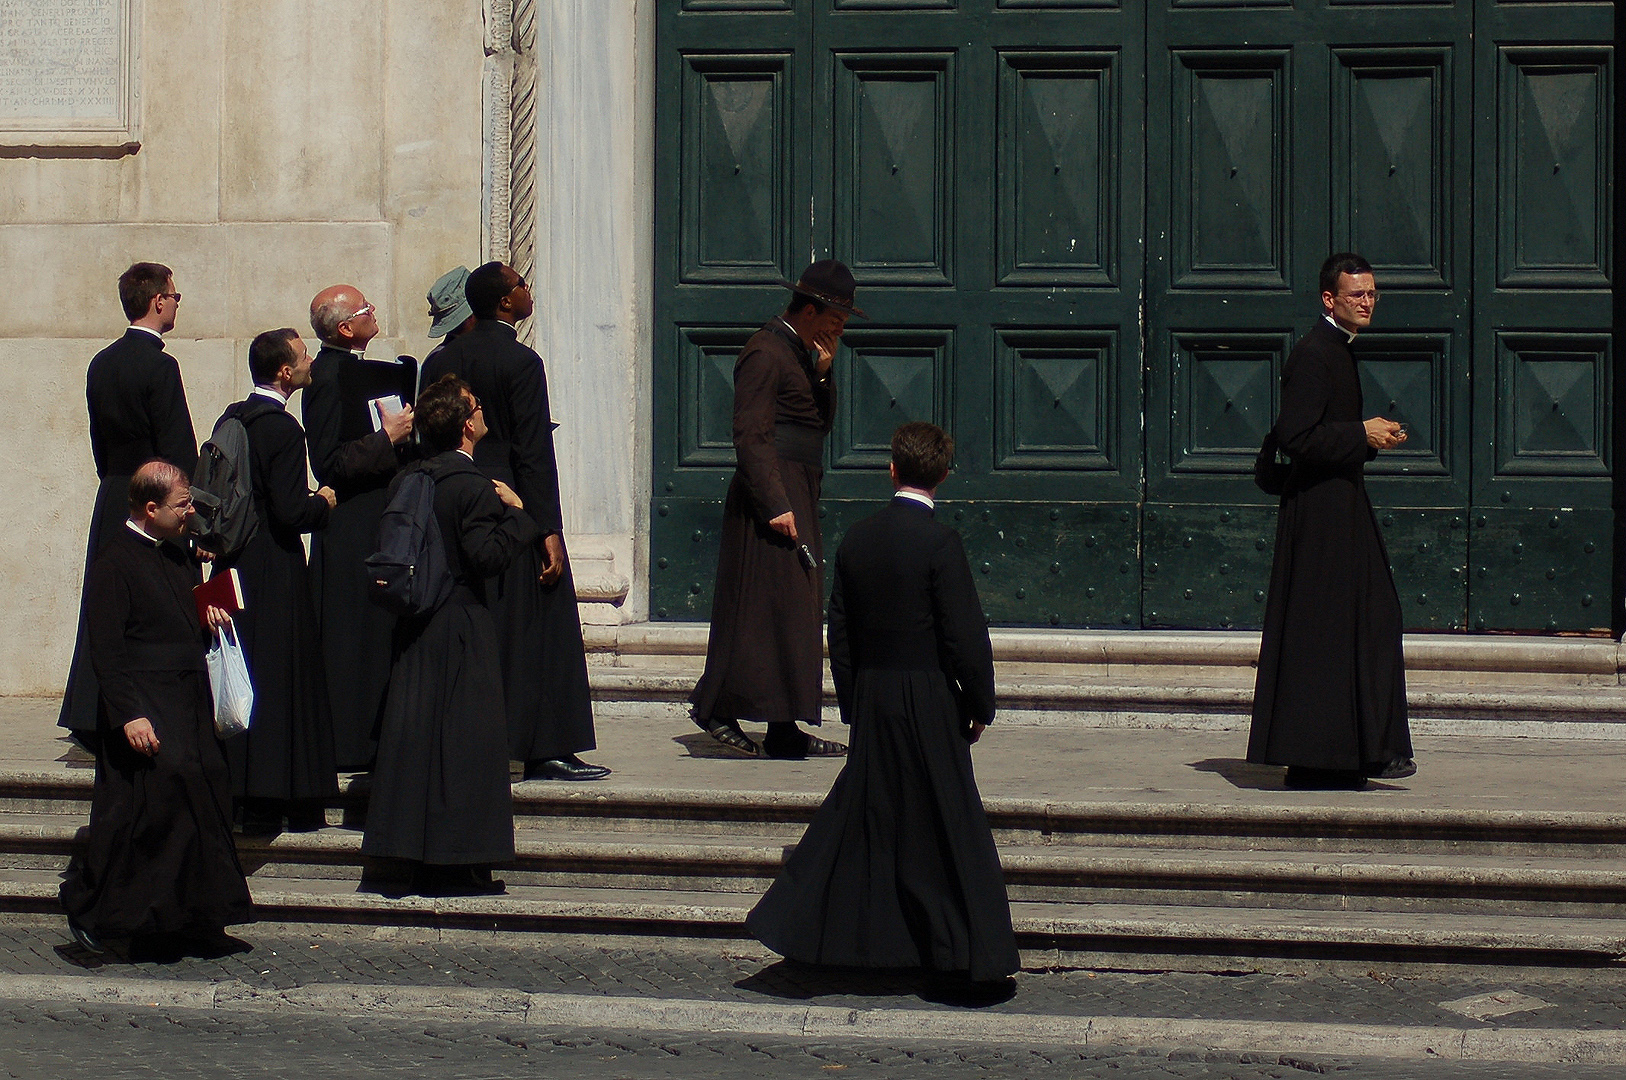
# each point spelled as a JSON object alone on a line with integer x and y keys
{"x": 764, "y": 661}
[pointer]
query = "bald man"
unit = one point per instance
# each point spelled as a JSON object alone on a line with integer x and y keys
{"x": 358, "y": 424}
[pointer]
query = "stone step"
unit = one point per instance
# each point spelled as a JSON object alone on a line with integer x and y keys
{"x": 1508, "y": 654}
{"x": 730, "y": 814}
{"x": 1050, "y": 933}
{"x": 1461, "y": 883}
{"x": 1469, "y": 683}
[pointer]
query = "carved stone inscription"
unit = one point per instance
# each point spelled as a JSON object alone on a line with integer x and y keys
{"x": 62, "y": 64}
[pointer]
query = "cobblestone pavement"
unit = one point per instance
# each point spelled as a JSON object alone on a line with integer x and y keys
{"x": 40, "y": 1041}
{"x": 287, "y": 956}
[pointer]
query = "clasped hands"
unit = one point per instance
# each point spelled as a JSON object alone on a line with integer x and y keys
{"x": 1384, "y": 434}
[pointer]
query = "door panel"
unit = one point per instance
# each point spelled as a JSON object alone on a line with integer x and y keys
{"x": 1088, "y": 234}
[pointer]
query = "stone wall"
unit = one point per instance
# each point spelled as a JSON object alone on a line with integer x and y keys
{"x": 284, "y": 145}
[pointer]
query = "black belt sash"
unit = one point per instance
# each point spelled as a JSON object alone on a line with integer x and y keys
{"x": 803, "y": 445}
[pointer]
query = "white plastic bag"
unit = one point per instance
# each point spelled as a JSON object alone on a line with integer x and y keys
{"x": 228, "y": 678}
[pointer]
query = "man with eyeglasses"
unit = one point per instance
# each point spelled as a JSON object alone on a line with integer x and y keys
{"x": 544, "y": 664}
{"x": 137, "y": 412}
{"x": 158, "y": 857}
{"x": 1330, "y": 695}
{"x": 358, "y": 425}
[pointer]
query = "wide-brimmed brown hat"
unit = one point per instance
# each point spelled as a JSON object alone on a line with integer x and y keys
{"x": 829, "y": 282}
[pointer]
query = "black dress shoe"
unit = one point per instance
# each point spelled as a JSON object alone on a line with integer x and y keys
{"x": 569, "y": 767}
{"x": 1301, "y": 778}
{"x": 448, "y": 881}
{"x": 84, "y": 938}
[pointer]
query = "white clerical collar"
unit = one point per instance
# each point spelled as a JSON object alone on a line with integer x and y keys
{"x": 1334, "y": 324}
{"x": 465, "y": 453}
{"x": 139, "y": 531}
{"x": 924, "y": 500}
{"x": 147, "y": 330}
{"x": 270, "y": 392}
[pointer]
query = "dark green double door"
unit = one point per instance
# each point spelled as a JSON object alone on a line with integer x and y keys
{"x": 1088, "y": 236}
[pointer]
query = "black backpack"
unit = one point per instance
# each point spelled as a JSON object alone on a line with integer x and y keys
{"x": 1269, "y": 471}
{"x": 226, "y": 519}
{"x": 409, "y": 572}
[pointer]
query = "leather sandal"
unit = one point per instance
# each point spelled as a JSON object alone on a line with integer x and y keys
{"x": 733, "y": 738}
{"x": 817, "y": 747}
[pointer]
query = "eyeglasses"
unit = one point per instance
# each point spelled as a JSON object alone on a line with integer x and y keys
{"x": 175, "y": 296}
{"x": 477, "y": 405}
{"x": 181, "y": 507}
{"x": 1368, "y": 294}
{"x": 363, "y": 310}
{"x": 520, "y": 284}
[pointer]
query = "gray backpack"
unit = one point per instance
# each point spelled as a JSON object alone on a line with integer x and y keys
{"x": 226, "y": 519}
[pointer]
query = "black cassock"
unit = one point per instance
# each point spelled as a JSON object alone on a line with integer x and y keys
{"x": 544, "y": 664}
{"x": 898, "y": 868}
{"x": 440, "y": 790}
{"x": 137, "y": 412}
{"x": 1331, "y": 687}
{"x": 764, "y": 657}
{"x": 159, "y": 857}
{"x": 288, "y": 751}
{"x": 357, "y": 462}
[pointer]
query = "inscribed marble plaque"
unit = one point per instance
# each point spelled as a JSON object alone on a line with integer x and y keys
{"x": 65, "y": 68}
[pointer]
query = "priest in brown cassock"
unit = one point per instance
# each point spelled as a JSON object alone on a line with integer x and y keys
{"x": 1330, "y": 695}
{"x": 898, "y": 868}
{"x": 358, "y": 425}
{"x": 282, "y": 769}
{"x": 440, "y": 797}
{"x": 544, "y": 661}
{"x": 159, "y": 857}
{"x": 764, "y": 659}
{"x": 137, "y": 412}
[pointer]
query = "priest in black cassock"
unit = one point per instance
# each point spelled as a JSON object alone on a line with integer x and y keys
{"x": 358, "y": 424}
{"x": 440, "y": 796}
{"x": 764, "y": 657}
{"x": 1329, "y": 698}
{"x": 544, "y": 663}
{"x": 283, "y": 767}
{"x": 898, "y": 868}
{"x": 159, "y": 856}
{"x": 137, "y": 412}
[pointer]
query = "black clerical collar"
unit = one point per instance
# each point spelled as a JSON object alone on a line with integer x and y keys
{"x": 147, "y": 331}
{"x": 1349, "y": 337}
{"x": 916, "y": 499}
{"x": 497, "y": 326}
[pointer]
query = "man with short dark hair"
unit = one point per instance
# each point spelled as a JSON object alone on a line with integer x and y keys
{"x": 283, "y": 767}
{"x": 137, "y": 412}
{"x": 898, "y": 868}
{"x": 440, "y": 797}
{"x": 550, "y": 706}
{"x": 158, "y": 856}
{"x": 764, "y": 659}
{"x": 1330, "y": 695}
{"x": 358, "y": 425}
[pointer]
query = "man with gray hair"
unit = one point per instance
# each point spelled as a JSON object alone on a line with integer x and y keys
{"x": 358, "y": 425}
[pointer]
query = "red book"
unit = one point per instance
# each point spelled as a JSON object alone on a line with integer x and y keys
{"x": 224, "y": 589}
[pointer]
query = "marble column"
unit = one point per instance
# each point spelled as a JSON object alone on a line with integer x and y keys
{"x": 593, "y": 263}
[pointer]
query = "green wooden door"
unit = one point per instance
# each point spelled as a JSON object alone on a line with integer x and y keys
{"x": 1089, "y": 233}
{"x": 1287, "y": 134}
{"x": 978, "y": 165}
